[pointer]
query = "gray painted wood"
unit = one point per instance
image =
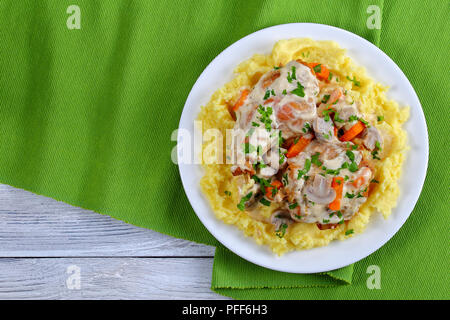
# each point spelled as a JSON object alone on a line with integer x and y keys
{"x": 41, "y": 237}
{"x": 37, "y": 226}
{"x": 106, "y": 278}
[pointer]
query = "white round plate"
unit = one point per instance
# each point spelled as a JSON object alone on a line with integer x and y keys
{"x": 338, "y": 253}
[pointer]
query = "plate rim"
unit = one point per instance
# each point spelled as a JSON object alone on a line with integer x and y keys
{"x": 381, "y": 243}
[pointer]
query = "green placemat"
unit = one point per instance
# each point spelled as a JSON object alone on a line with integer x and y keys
{"x": 86, "y": 117}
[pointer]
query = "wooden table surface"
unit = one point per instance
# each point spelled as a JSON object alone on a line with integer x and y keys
{"x": 51, "y": 250}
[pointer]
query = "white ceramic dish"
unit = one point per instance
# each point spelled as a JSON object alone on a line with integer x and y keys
{"x": 339, "y": 253}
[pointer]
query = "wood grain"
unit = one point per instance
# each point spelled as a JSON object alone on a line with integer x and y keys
{"x": 37, "y": 226}
{"x": 107, "y": 278}
{"x": 40, "y": 238}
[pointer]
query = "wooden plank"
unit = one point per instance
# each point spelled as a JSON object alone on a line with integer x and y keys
{"x": 106, "y": 278}
{"x": 37, "y": 226}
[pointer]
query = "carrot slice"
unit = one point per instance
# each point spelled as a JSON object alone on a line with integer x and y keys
{"x": 322, "y": 74}
{"x": 353, "y": 131}
{"x": 358, "y": 182}
{"x": 337, "y": 185}
{"x": 240, "y": 102}
{"x": 298, "y": 147}
{"x": 275, "y": 184}
{"x": 267, "y": 82}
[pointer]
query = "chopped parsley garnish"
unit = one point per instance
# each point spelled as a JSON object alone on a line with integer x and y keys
{"x": 325, "y": 98}
{"x": 380, "y": 118}
{"x": 315, "y": 159}
{"x": 353, "y": 167}
{"x": 352, "y": 118}
{"x": 325, "y": 221}
{"x": 285, "y": 179}
{"x": 350, "y": 155}
{"x": 255, "y": 124}
{"x": 291, "y": 76}
{"x": 326, "y": 114}
{"x": 282, "y": 156}
{"x": 374, "y": 181}
{"x": 281, "y": 231}
{"x": 265, "y": 202}
{"x": 228, "y": 193}
{"x": 241, "y": 205}
{"x": 299, "y": 91}
{"x": 349, "y": 232}
{"x": 363, "y": 121}
{"x": 259, "y": 150}
{"x": 263, "y": 182}
{"x": 337, "y": 119}
{"x": 265, "y": 116}
{"x": 306, "y": 128}
{"x": 249, "y": 148}
{"x": 284, "y": 92}
{"x": 346, "y": 178}
{"x": 318, "y": 68}
{"x": 349, "y": 195}
{"x": 268, "y": 93}
{"x": 330, "y": 76}
{"x": 276, "y": 68}
{"x": 293, "y": 206}
{"x": 355, "y": 82}
{"x": 376, "y": 150}
{"x": 305, "y": 170}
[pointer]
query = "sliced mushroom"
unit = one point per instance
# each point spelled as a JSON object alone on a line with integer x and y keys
{"x": 256, "y": 196}
{"x": 320, "y": 191}
{"x": 280, "y": 217}
{"x": 323, "y": 129}
{"x": 370, "y": 137}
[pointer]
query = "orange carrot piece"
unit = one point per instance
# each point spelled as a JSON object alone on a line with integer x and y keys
{"x": 324, "y": 72}
{"x": 240, "y": 102}
{"x": 298, "y": 147}
{"x": 358, "y": 182}
{"x": 337, "y": 185}
{"x": 351, "y": 133}
{"x": 275, "y": 184}
{"x": 267, "y": 82}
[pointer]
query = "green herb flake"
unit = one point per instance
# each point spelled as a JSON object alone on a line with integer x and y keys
{"x": 355, "y": 82}
{"x": 241, "y": 204}
{"x": 353, "y": 167}
{"x": 325, "y": 98}
{"x": 318, "y": 68}
{"x": 293, "y": 206}
{"x": 299, "y": 91}
{"x": 350, "y": 155}
{"x": 315, "y": 159}
{"x": 228, "y": 193}
{"x": 349, "y": 232}
{"x": 265, "y": 202}
{"x": 349, "y": 195}
{"x": 291, "y": 76}
{"x": 281, "y": 231}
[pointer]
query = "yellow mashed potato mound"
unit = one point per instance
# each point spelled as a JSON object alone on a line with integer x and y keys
{"x": 218, "y": 177}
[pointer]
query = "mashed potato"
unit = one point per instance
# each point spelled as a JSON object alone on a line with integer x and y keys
{"x": 219, "y": 185}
